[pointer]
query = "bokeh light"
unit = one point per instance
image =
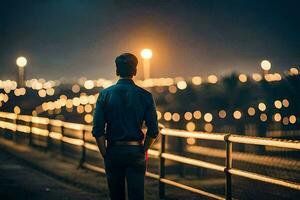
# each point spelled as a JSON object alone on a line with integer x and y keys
{"x": 285, "y": 103}
{"x": 292, "y": 119}
{"x": 251, "y": 111}
{"x": 208, "y": 117}
{"x": 277, "y": 104}
{"x": 146, "y": 53}
{"x": 21, "y": 61}
{"x": 277, "y": 117}
{"x": 190, "y": 126}
{"x": 222, "y": 114}
{"x": 262, "y": 106}
{"x": 167, "y": 116}
{"x": 17, "y": 110}
{"x": 208, "y": 127}
{"x": 175, "y": 117}
{"x": 188, "y": 116}
{"x": 181, "y": 85}
{"x": 263, "y": 117}
{"x": 237, "y": 114}
{"x": 243, "y": 78}
{"x": 265, "y": 65}
{"x": 197, "y": 80}
{"x": 197, "y": 114}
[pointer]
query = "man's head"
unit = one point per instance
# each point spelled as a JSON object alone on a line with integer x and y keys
{"x": 126, "y": 65}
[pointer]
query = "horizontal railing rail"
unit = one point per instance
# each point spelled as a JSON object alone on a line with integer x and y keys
{"x": 85, "y": 141}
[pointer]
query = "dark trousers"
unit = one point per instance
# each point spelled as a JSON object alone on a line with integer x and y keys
{"x": 125, "y": 164}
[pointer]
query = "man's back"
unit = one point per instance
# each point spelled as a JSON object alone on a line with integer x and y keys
{"x": 125, "y": 106}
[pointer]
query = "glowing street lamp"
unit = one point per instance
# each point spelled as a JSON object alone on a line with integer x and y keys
{"x": 146, "y": 55}
{"x": 266, "y": 66}
{"x": 21, "y": 63}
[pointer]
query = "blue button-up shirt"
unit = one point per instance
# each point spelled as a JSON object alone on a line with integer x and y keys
{"x": 121, "y": 110}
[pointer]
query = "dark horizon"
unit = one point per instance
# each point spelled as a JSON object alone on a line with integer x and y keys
{"x": 81, "y": 38}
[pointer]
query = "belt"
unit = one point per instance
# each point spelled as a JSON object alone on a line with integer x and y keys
{"x": 132, "y": 143}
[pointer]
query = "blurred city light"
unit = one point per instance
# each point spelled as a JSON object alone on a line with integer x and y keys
{"x": 292, "y": 119}
{"x": 17, "y": 110}
{"x": 197, "y": 114}
{"x": 21, "y": 61}
{"x": 262, "y": 106}
{"x": 190, "y": 126}
{"x": 251, "y": 111}
{"x": 263, "y": 117}
{"x": 181, "y": 85}
{"x": 190, "y": 141}
{"x": 175, "y": 117}
{"x": 196, "y": 80}
{"x": 208, "y": 127}
{"x": 212, "y": 79}
{"x": 146, "y": 54}
{"x": 188, "y": 116}
{"x": 265, "y": 65}
{"x": 88, "y": 118}
{"x": 277, "y": 104}
{"x": 167, "y": 116}
{"x": 294, "y": 71}
{"x": 208, "y": 117}
{"x": 172, "y": 89}
{"x": 285, "y": 103}
{"x": 222, "y": 114}
{"x": 237, "y": 114}
{"x": 285, "y": 120}
{"x": 158, "y": 113}
{"x": 277, "y": 117}
{"x": 75, "y": 88}
{"x": 243, "y": 78}
{"x": 256, "y": 77}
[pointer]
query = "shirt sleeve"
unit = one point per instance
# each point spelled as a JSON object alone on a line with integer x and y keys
{"x": 99, "y": 119}
{"x": 151, "y": 119}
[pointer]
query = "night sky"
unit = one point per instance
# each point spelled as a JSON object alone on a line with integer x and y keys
{"x": 75, "y": 38}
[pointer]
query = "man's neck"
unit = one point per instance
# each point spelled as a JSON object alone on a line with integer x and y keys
{"x": 125, "y": 78}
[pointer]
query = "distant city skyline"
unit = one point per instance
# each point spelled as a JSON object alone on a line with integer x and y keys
{"x": 74, "y": 39}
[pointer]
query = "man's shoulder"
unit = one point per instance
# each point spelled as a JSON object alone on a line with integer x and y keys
{"x": 104, "y": 90}
{"x": 144, "y": 91}
{"x": 134, "y": 87}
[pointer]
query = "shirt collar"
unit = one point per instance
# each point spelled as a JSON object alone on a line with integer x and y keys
{"x": 125, "y": 81}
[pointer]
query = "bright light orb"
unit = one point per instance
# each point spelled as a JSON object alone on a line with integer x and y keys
{"x": 181, "y": 85}
{"x": 208, "y": 127}
{"x": 190, "y": 126}
{"x": 237, "y": 114}
{"x": 146, "y": 53}
{"x": 21, "y": 61}
{"x": 208, "y": 117}
{"x": 265, "y": 65}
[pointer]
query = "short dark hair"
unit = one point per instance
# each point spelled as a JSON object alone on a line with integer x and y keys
{"x": 126, "y": 65}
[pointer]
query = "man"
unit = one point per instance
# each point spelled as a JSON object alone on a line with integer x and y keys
{"x": 119, "y": 115}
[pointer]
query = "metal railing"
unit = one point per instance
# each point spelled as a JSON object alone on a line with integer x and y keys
{"x": 56, "y": 130}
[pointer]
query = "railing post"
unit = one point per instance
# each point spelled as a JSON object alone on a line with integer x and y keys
{"x": 15, "y": 130}
{"x": 62, "y": 145}
{"x": 83, "y": 150}
{"x": 161, "y": 185}
{"x": 48, "y": 137}
{"x": 30, "y": 134}
{"x": 228, "y": 166}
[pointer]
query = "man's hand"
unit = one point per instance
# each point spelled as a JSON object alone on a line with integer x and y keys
{"x": 101, "y": 145}
{"x": 148, "y": 142}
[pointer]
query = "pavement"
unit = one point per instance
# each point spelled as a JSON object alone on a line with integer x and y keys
{"x": 29, "y": 173}
{"x": 19, "y": 181}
